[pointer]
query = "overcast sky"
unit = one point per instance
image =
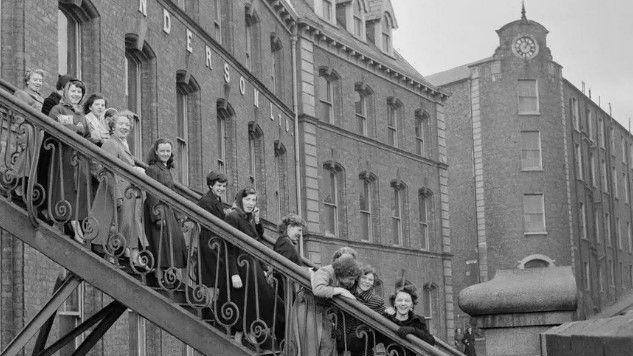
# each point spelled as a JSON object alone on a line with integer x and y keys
{"x": 592, "y": 40}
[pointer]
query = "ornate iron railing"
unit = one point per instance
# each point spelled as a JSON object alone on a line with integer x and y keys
{"x": 181, "y": 250}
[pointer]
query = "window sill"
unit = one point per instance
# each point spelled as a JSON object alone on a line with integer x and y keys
{"x": 532, "y": 113}
{"x": 532, "y": 169}
{"x": 536, "y": 233}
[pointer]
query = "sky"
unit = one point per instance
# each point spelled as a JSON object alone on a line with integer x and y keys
{"x": 592, "y": 40}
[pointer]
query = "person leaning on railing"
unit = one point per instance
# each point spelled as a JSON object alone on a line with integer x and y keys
{"x": 94, "y": 109}
{"x": 33, "y": 79}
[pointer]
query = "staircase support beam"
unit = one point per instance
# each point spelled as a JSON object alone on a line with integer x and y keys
{"x": 17, "y": 344}
{"x": 45, "y": 330}
{"x": 106, "y": 323}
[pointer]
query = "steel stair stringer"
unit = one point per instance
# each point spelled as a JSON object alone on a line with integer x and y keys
{"x": 101, "y": 274}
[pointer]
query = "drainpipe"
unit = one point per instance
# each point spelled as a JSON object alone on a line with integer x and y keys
{"x": 295, "y": 108}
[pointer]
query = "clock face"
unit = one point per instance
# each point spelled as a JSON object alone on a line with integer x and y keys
{"x": 525, "y": 47}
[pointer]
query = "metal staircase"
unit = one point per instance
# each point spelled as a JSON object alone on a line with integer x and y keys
{"x": 38, "y": 211}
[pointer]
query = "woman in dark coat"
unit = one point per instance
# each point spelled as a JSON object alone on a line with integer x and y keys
{"x": 69, "y": 191}
{"x": 254, "y": 303}
{"x": 469, "y": 342}
{"x": 403, "y": 301}
{"x": 164, "y": 234}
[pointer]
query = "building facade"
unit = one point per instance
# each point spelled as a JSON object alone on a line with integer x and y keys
{"x": 307, "y": 101}
{"x": 539, "y": 172}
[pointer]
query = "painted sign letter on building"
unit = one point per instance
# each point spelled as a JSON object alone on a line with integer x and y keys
{"x": 207, "y": 51}
{"x": 142, "y": 7}
{"x": 227, "y": 75}
{"x": 189, "y": 37}
{"x": 166, "y": 21}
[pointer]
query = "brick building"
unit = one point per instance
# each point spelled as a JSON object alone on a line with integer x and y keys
{"x": 540, "y": 173}
{"x": 238, "y": 86}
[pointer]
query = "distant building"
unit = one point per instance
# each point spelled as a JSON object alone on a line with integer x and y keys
{"x": 539, "y": 173}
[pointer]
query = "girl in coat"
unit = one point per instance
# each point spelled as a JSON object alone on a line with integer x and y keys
{"x": 69, "y": 190}
{"x": 403, "y": 301}
{"x": 164, "y": 233}
{"x": 94, "y": 109}
{"x": 253, "y": 303}
{"x": 117, "y": 209}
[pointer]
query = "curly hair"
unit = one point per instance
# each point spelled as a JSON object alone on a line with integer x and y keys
{"x": 152, "y": 156}
{"x": 346, "y": 266}
{"x": 125, "y": 113}
{"x": 290, "y": 220}
{"x": 410, "y": 289}
{"x": 91, "y": 99}
{"x": 29, "y": 73}
{"x": 345, "y": 250}
{"x": 243, "y": 193}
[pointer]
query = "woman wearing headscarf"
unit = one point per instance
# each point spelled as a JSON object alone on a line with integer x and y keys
{"x": 69, "y": 190}
{"x": 117, "y": 206}
{"x": 164, "y": 233}
{"x": 255, "y": 302}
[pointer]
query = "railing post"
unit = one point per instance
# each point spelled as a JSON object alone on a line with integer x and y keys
{"x": 70, "y": 284}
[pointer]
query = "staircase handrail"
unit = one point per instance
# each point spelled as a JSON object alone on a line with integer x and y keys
{"x": 219, "y": 227}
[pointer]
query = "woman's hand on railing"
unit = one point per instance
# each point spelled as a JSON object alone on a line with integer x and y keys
{"x": 236, "y": 281}
{"x": 344, "y": 293}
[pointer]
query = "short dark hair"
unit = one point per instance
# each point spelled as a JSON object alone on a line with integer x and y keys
{"x": 290, "y": 220}
{"x": 77, "y": 83}
{"x": 62, "y": 80}
{"x": 91, "y": 99}
{"x": 152, "y": 157}
{"x": 342, "y": 251}
{"x": 214, "y": 176}
{"x": 242, "y": 194}
{"x": 410, "y": 289}
{"x": 346, "y": 266}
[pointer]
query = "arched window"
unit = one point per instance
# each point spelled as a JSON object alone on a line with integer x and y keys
{"x": 387, "y": 25}
{"x": 277, "y": 65}
{"x": 333, "y": 217}
{"x": 140, "y": 90}
{"x": 256, "y": 169}
{"x": 251, "y": 39}
{"x": 78, "y": 40}
{"x": 398, "y": 212}
{"x": 187, "y": 119}
{"x": 281, "y": 169}
{"x": 425, "y": 211}
{"x": 368, "y": 206}
{"x": 362, "y": 107}
{"x": 226, "y": 12}
{"x": 394, "y": 121}
{"x": 421, "y": 128}
{"x": 328, "y": 91}
{"x": 429, "y": 305}
{"x": 224, "y": 124}
{"x": 535, "y": 261}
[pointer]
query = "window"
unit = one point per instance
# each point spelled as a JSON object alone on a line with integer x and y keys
{"x": 612, "y": 276}
{"x": 579, "y": 168}
{"x": 327, "y": 10}
{"x": 394, "y": 112}
{"x": 607, "y": 228}
{"x": 603, "y": 178}
{"x": 68, "y": 44}
{"x": 182, "y": 151}
{"x": 587, "y": 276}
{"x": 132, "y": 74}
{"x": 630, "y": 275}
{"x": 618, "y": 233}
{"x": 328, "y": 91}
{"x": 425, "y": 197}
{"x": 531, "y": 151}
{"x": 277, "y": 65}
{"x": 627, "y": 189}
{"x": 582, "y": 219}
{"x": 614, "y": 180}
{"x": 590, "y": 130}
{"x": 226, "y": 16}
{"x": 251, "y": 39}
{"x": 256, "y": 155}
{"x": 592, "y": 169}
{"x": 224, "y": 113}
{"x": 429, "y": 300}
{"x": 623, "y": 148}
{"x": 600, "y": 277}
{"x": 533, "y": 214}
{"x": 601, "y": 132}
{"x": 387, "y": 25}
{"x": 216, "y": 8}
{"x": 421, "y": 123}
{"x": 359, "y": 24}
{"x": 398, "y": 207}
{"x": 281, "y": 168}
{"x": 333, "y": 215}
{"x": 612, "y": 138}
{"x": 629, "y": 237}
{"x": 367, "y": 205}
{"x": 528, "y": 96}
{"x": 71, "y": 314}
{"x": 573, "y": 103}
{"x": 596, "y": 226}
{"x": 362, "y": 99}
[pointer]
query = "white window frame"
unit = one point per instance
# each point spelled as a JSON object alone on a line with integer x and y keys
{"x": 607, "y": 230}
{"x": 579, "y": 166}
{"x": 335, "y": 203}
{"x": 575, "y": 114}
{"x": 601, "y": 132}
{"x": 592, "y": 169}
{"x": 423, "y": 207}
{"x": 596, "y": 226}
{"x": 519, "y": 96}
{"x": 78, "y": 314}
{"x": 618, "y": 233}
{"x": 614, "y": 180}
{"x": 397, "y": 211}
{"x": 604, "y": 177}
{"x": 326, "y": 97}
{"x": 367, "y": 192}
{"x": 182, "y": 140}
{"x": 361, "y": 116}
{"x": 420, "y": 134}
{"x": 587, "y": 276}
{"x": 542, "y": 212}
{"x": 629, "y": 237}
{"x": 583, "y": 221}
{"x": 393, "y": 116}
{"x": 524, "y": 167}
{"x": 62, "y": 51}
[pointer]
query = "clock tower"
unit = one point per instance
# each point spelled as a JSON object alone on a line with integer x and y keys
{"x": 524, "y": 39}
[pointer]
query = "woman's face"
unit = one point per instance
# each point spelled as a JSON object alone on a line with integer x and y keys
{"x": 248, "y": 202}
{"x": 218, "y": 188}
{"x": 98, "y": 107}
{"x": 403, "y": 303}
{"x": 35, "y": 82}
{"x": 75, "y": 94}
{"x": 294, "y": 232}
{"x": 347, "y": 281}
{"x": 121, "y": 127}
{"x": 366, "y": 282}
{"x": 163, "y": 152}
